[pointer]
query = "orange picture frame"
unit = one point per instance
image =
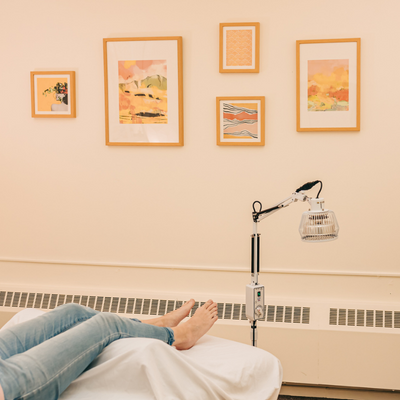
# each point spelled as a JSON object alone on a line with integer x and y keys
{"x": 328, "y": 85}
{"x": 239, "y": 47}
{"x": 241, "y": 121}
{"x": 53, "y": 94}
{"x": 139, "y": 72}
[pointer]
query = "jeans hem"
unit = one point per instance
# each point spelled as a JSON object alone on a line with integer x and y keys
{"x": 171, "y": 338}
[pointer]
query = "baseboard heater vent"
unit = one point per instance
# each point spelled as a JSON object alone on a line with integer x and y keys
{"x": 364, "y": 318}
{"x": 141, "y": 306}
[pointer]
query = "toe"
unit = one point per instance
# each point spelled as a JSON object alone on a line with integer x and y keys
{"x": 208, "y": 303}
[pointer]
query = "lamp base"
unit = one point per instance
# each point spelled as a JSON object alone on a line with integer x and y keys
{"x": 255, "y": 300}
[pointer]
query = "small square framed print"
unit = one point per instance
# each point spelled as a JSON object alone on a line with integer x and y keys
{"x": 328, "y": 85}
{"x": 239, "y": 47}
{"x": 240, "y": 121}
{"x": 53, "y": 94}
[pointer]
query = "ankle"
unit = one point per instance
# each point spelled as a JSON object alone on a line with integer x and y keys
{"x": 180, "y": 336}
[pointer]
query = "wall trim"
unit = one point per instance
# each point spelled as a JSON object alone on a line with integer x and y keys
{"x": 367, "y": 274}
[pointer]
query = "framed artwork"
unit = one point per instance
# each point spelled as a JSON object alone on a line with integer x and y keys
{"x": 328, "y": 85}
{"x": 240, "y": 121}
{"x": 239, "y": 47}
{"x": 143, "y": 91}
{"x": 53, "y": 94}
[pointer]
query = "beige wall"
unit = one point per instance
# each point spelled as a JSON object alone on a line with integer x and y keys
{"x": 67, "y": 199}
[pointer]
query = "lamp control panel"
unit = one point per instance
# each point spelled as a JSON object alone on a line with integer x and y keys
{"x": 255, "y": 300}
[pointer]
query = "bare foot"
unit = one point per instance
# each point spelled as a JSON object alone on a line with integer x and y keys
{"x": 188, "y": 333}
{"x": 173, "y": 318}
{"x": 1, "y": 394}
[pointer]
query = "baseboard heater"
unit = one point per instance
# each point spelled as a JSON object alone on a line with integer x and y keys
{"x": 14, "y": 300}
{"x": 336, "y": 316}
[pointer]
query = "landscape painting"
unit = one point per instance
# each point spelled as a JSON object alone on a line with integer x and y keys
{"x": 328, "y": 85}
{"x": 142, "y": 86}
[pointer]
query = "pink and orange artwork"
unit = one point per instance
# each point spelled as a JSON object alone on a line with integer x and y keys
{"x": 328, "y": 85}
{"x": 239, "y": 47}
{"x": 240, "y": 121}
{"x": 143, "y": 92}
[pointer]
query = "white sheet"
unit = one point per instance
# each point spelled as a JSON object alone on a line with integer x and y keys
{"x": 147, "y": 369}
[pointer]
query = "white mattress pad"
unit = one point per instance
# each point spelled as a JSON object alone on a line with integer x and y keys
{"x": 149, "y": 369}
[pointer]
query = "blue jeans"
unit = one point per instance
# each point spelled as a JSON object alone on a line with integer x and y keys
{"x": 41, "y": 357}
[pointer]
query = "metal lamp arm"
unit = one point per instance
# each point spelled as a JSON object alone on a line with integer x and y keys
{"x": 261, "y": 214}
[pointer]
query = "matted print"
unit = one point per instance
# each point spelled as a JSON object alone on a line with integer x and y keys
{"x": 328, "y": 85}
{"x": 143, "y": 85}
{"x": 240, "y": 121}
{"x": 239, "y": 47}
{"x": 53, "y": 94}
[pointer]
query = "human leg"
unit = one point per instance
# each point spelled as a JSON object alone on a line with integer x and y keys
{"x": 22, "y": 337}
{"x": 46, "y": 370}
{"x": 26, "y": 335}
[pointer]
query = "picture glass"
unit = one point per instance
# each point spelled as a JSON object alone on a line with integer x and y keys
{"x": 328, "y": 87}
{"x": 240, "y": 121}
{"x": 143, "y": 101}
{"x": 239, "y": 47}
{"x": 239, "y": 51}
{"x": 51, "y": 94}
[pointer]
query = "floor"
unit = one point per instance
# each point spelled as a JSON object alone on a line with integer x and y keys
{"x": 301, "y": 398}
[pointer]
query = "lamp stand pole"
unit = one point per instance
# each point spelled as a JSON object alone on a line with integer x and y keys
{"x": 254, "y": 291}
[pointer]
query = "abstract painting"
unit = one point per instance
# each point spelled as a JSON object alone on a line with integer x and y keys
{"x": 142, "y": 88}
{"x": 53, "y": 94}
{"x": 239, "y": 47}
{"x": 240, "y": 121}
{"x": 143, "y": 91}
{"x": 328, "y": 85}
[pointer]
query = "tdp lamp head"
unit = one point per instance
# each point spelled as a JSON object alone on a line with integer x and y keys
{"x": 318, "y": 224}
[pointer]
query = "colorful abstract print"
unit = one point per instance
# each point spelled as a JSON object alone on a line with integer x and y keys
{"x": 328, "y": 85}
{"x": 142, "y": 92}
{"x": 240, "y": 120}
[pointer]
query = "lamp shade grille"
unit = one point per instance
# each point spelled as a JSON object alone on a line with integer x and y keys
{"x": 318, "y": 226}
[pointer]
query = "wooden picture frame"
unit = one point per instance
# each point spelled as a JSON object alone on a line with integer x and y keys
{"x": 328, "y": 84}
{"x": 138, "y": 75}
{"x": 241, "y": 121}
{"x": 239, "y": 47}
{"x": 53, "y": 94}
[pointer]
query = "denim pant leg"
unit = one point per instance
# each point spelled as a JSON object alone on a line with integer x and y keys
{"x": 46, "y": 370}
{"x": 22, "y": 337}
